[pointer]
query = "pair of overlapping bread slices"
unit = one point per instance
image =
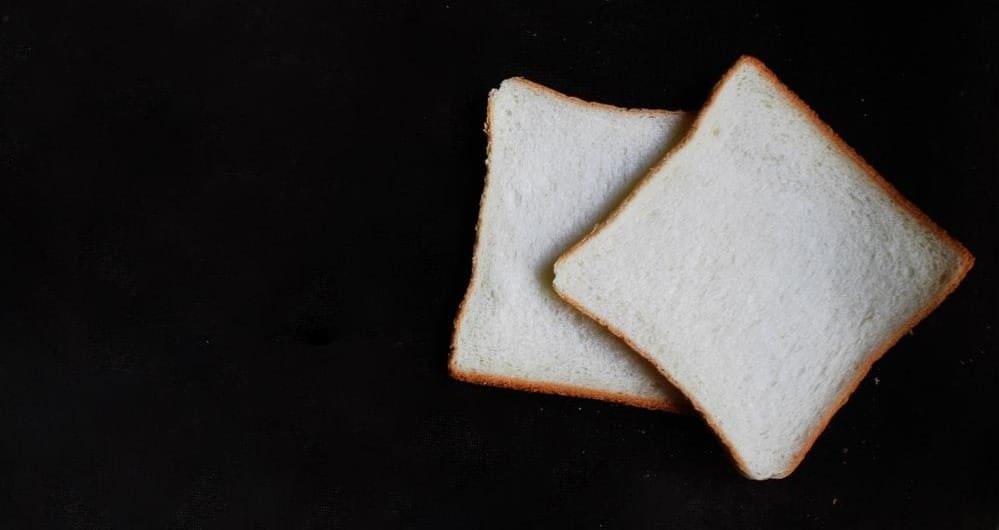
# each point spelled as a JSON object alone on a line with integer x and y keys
{"x": 746, "y": 264}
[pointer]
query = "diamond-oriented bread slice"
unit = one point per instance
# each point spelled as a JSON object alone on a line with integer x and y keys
{"x": 762, "y": 267}
{"x": 556, "y": 166}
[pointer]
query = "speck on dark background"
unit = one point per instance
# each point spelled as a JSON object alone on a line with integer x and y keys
{"x": 235, "y": 235}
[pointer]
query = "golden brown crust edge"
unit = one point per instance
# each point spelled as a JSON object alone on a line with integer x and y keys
{"x": 592, "y": 104}
{"x": 564, "y": 390}
{"x": 697, "y": 406}
{"x": 524, "y": 384}
{"x": 966, "y": 261}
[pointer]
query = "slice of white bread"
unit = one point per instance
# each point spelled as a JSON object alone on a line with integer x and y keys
{"x": 556, "y": 166}
{"x": 762, "y": 266}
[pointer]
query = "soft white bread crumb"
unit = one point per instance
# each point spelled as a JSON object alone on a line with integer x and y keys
{"x": 556, "y": 166}
{"x": 762, "y": 267}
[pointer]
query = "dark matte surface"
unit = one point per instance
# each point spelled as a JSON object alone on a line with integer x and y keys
{"x": 235, "y": 236}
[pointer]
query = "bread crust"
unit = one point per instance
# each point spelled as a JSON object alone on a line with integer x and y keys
{"x": 592, "y": 104}
{"x": 967, "y": 260}
{"x": 525, "y": 384}
{"x": 563, "y": 390}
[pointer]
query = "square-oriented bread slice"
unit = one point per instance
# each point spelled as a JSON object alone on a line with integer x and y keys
{"x": 762, "y": 266}
{"x": 556, "y": 166}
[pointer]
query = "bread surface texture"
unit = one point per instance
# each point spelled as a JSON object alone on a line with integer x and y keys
{"x": 556, "y": 166}
{"x": 762, "y": 267}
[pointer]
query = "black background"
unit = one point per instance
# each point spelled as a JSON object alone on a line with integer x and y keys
{"x": 235, "y": 236}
